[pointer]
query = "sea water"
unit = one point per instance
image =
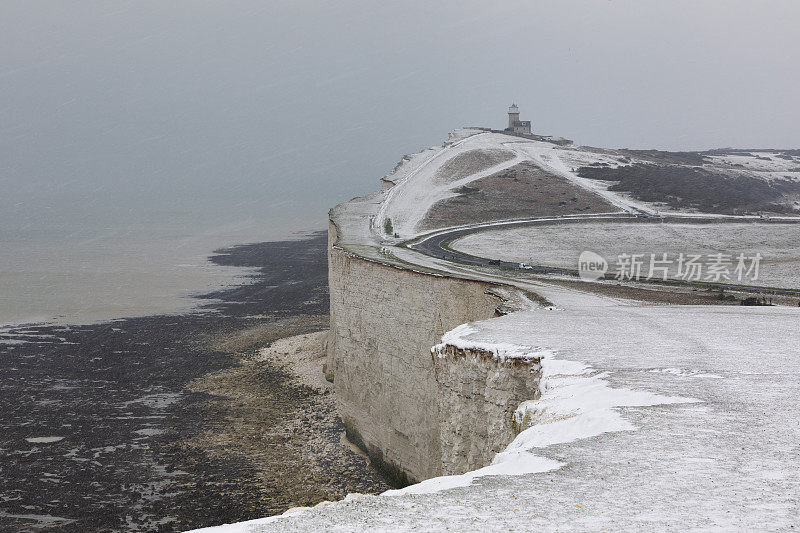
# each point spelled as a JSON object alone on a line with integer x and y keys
{"x": 86, "y": 272}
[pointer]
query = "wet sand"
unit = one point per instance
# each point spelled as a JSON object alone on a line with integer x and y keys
{"x": 165, "y": 423}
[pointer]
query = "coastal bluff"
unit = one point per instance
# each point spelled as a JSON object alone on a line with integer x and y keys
{"x": 519, "y": 397}
{"x": 416, "y": 411}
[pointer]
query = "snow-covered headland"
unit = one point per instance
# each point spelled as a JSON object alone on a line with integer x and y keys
{"x": 501, "y": 398}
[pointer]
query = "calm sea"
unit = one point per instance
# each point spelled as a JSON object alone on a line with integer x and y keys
{"x": 104, "y": 268}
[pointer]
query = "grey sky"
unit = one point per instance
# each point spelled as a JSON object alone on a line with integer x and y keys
{"x": 132, "y": 109}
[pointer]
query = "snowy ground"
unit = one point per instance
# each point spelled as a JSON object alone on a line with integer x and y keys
{"x": 764, "y": 165}
{"x": 423, "y": 179}
{"x": 777, "y": 243}
{"x": 565, "y": 162}
{"x": 420, "y": 184}
{"x": 652, "y": 417}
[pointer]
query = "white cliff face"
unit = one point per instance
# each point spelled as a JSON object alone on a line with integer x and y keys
{"x": 416, "y": 414}
{"x": 477, "y": 395}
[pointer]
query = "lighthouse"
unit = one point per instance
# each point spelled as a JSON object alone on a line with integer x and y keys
{"x": 513, "y": 116}
{"x": 515, "y": 124}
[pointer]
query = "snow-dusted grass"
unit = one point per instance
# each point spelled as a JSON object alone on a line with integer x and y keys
{"x": 423, "y": 179}
{"x": 420, "y": 184}
{"x": 564, "y": 162}
{"x": 559, "y": 245}
{"x": 766, "y": 165}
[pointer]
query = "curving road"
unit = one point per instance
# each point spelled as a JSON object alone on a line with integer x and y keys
{"x": 436, "y": 244}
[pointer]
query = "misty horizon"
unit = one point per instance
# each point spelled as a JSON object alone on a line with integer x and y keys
{"x": 193, "y": 125}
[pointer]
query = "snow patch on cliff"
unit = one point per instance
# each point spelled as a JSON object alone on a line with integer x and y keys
{"x": 501, "y": 351}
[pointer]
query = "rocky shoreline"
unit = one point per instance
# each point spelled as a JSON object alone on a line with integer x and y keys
{"x": 167, "y": 423}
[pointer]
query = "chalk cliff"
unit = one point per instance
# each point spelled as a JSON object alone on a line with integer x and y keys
{"x": 417, "y": 413}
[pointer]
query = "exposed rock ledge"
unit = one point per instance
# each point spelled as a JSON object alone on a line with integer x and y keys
{"x": 478, "y": 394}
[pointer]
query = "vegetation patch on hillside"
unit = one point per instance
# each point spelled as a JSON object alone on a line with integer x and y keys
{"x": 712, "y": 191}
{"x": 521, "y": 191}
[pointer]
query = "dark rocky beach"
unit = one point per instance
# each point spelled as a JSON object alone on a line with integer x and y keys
{"x": 167, "y": 423}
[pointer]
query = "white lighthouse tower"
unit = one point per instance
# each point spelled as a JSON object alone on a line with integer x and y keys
{"x": 515, "y": 124}
{"x": 513, "y": 116}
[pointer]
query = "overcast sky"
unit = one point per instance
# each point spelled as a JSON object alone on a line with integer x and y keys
{"x": 138, "y": 108}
